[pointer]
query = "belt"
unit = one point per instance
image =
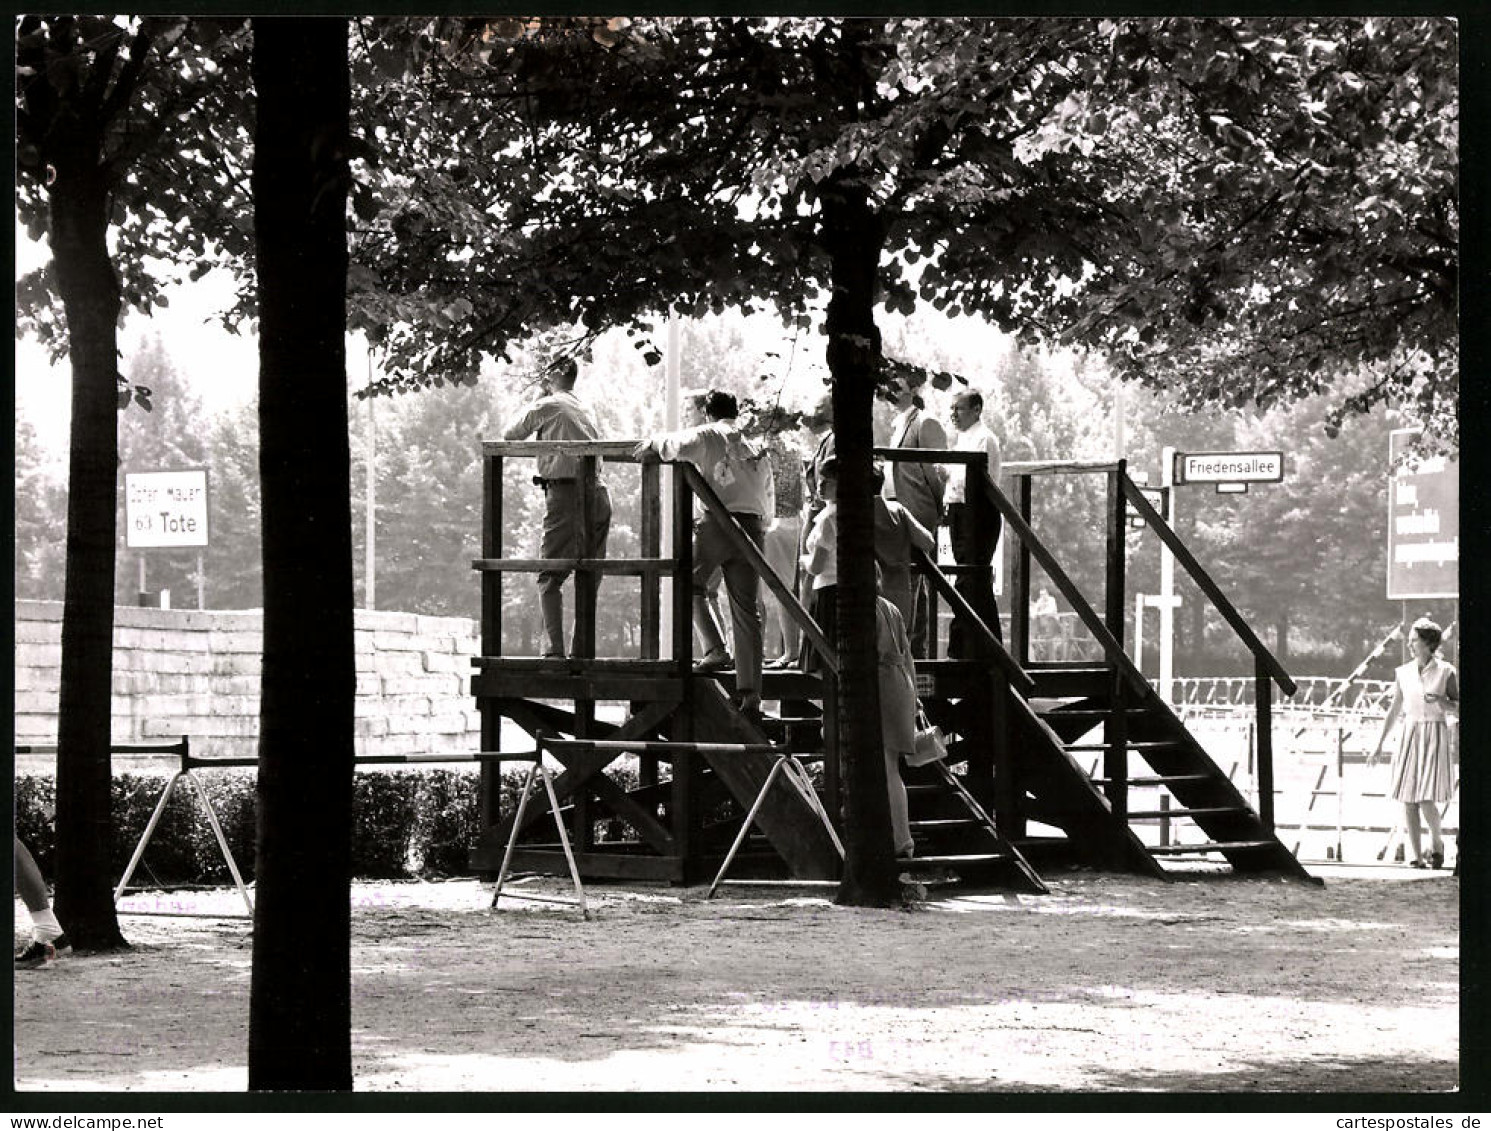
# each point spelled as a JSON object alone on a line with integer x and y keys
{"x": 546, "y": 483}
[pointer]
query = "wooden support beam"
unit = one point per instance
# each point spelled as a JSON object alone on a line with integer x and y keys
{"x": 601, "y": 688}
{"x": 652, "y": 547}
{"x": 652, "y": 831}
{"x": 489, "y": 787}
{"x": 1115, "y": 598}
{"x": 1020, "y": 582}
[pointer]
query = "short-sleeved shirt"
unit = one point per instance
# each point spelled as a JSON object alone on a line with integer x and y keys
{"x": 976, "y": 439}
{"x": 824, "y": 532}
{"x": 556, "y": 416}
{"x": 737, "y": 468}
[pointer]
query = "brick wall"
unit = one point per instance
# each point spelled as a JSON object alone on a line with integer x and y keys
{"x": 179, "y": 672}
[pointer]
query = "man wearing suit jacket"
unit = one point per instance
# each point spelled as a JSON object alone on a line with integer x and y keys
{"x": 919, "y": 488}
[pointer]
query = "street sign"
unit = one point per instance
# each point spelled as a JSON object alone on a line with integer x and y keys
{"x": 1423, "y": 529}
{"x": 1229, "y": 467}
{"x": 165, "y": 508}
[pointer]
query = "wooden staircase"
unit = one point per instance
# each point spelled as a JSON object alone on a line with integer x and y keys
{"x": 1152, "y": 774}
{"x": 953, "y": 832}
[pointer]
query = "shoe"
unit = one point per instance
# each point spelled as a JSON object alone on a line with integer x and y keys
{"x": 780, "y": 662}
{"x": 42, "y": 953}
{"x": 553, "y": 656}
{"x": 1419, "y": 863}
{"x": 906, "y": 853}
{"x": 1436, "y": 859}
{"x": 714, "y": 662}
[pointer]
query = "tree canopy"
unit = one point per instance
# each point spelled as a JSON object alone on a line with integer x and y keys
{"x": 1239, "y": 210}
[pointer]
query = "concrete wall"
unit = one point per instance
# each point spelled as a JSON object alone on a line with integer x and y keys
{"x": 197, "y": 673}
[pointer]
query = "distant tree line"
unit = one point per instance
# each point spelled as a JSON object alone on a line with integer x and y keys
{"x": 1304, "y": 559}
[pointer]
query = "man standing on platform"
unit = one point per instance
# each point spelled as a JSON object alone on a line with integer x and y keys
{"x": 919, "y": 488}
{"x": 973, "y": 522}
{"x": 560, "y": 415}
{"x": 739, "y": 470}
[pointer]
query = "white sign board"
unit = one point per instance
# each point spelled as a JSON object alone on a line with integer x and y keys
{"x": 1423, "y": 533}
{"x": 165, "y": 508}
{"x": 1155, "y": 497}
{"x": 1229, "y": 467}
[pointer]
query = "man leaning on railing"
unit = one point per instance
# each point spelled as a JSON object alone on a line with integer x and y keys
{"x": 740, "y": 473}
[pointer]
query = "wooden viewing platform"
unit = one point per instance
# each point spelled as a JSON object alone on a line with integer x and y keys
{"x": 662, "y": 794}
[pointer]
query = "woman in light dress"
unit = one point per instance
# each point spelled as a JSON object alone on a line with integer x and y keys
{"x": 897, "y": 674}
{"x": 1425, "y": 692}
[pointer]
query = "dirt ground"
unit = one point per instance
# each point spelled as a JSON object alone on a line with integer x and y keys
{"x": 1108, "y": 984}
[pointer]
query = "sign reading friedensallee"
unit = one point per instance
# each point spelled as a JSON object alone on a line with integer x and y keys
{"x": 1229, "y": 467}
{"x": 1423, "y": 527}
{"x": 165, "y": 508}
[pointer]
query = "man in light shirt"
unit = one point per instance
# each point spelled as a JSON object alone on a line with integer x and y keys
{"x": 739, "y": 470}
{"x": 973, "y": 522}
{"x": 560, "y": 415}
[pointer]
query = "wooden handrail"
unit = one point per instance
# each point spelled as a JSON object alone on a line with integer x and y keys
{"x": 1017, "y": 676}
{"x": 1266, "y": 660}
{"x": 752, "y": 554}
{"x": 1018, "y": 467}
{"x": 595, "y": 565}
{"x": 618, "y": 451}
{"x": 1112, "y": 649}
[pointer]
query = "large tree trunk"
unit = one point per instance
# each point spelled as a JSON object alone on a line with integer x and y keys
{"x": 853, "y": 234}
{"x": 300, "y": 1001}
{"x": 90, "y": 295}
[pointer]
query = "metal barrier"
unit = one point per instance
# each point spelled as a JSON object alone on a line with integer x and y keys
{"x": 1329, "y": 693}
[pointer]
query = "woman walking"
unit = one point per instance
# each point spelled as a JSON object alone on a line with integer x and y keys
{"x": 1425, "y": 692}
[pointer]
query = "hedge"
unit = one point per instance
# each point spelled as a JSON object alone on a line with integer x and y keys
{"x": 405, "y": 823}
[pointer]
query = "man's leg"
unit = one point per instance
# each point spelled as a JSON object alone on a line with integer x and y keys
{"x": 780, "y": 631}
{"x": 597, "y": 539}
{"x": 709, "y": 547}
{"x": 558, "y": 542}
{"x": 743, "y": 585}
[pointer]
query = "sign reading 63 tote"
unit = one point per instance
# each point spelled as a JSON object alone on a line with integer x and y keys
{"x": 165, "y": 508}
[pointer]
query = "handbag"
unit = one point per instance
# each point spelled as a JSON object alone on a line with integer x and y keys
{"x": 931, "y": 742}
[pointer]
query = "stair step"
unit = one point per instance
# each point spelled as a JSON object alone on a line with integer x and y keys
{"x": 1164, "y": 779}
{"x": 1206, "y": 811}
{"x": 1208, "y": 846}
{"x": 1094, "y": 747}
{"x": 1088, "y": 712}
{"x": 955, "y": 861}
{"x": 946, "y": 823}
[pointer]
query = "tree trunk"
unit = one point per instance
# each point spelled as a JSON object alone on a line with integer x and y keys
{"x": 853, "y": 234}
{"x": 90, "y": 295}
{"x": 300, "y": 1000}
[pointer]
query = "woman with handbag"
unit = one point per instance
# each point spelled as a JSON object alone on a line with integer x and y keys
{"x": 898, "y": 709}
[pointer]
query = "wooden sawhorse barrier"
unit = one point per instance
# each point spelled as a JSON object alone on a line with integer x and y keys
{"x": 181, "y": 749}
